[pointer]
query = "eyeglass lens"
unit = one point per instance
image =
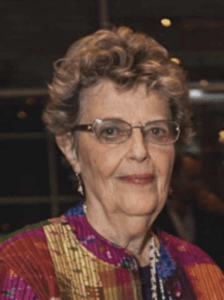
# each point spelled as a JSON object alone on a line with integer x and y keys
{"x": 117, "y": 131}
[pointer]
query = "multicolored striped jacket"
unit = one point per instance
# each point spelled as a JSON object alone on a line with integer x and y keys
{"x": 64, "y": 258}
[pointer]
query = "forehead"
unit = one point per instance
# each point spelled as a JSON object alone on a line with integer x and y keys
{"x": 135, "y": 105}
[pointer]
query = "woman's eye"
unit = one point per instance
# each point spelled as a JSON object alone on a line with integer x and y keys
{"x": 110, "y": 131}
{"x": 158, "y": 131}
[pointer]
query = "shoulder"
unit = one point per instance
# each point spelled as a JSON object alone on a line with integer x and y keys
{"x": 196, "y": 265}
{"x": 35, "y": 236}
{"x": 187, "y": 252}
{"x": 26, "y": 234}
{"x": 23, "y": 232}
{"x": 30, "y": 239}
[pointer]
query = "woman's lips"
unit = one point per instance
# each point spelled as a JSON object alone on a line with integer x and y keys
{"x": 140, "y": 179}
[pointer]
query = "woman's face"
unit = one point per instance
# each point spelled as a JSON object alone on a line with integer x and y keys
{"x": 130, "y": 178}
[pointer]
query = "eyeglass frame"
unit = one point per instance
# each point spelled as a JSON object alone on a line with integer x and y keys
{"x": 90, "y": 128}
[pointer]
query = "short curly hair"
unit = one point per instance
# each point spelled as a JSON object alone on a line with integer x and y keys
{"x": 127, "y": 59}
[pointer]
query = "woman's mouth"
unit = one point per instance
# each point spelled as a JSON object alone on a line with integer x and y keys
{"x": 140, "y": 179}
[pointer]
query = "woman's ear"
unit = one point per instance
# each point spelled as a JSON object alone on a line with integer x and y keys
{"x": 66, "y": 147}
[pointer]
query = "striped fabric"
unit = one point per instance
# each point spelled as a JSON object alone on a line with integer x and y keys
{"x": 64, "y": 258}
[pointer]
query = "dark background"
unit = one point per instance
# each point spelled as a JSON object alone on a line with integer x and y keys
{"x": 35, "y": 183}
{"x": 35, "y": 33}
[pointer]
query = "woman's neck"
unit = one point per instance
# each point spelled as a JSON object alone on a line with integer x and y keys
{"x": 130, "y": 232}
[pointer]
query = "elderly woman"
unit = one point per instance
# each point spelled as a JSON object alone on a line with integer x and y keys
{"x": 118, "y": 110}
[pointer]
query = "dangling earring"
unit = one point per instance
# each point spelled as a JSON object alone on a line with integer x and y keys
{"x": 72, "y": 155}
{"x": 80, "y": 186}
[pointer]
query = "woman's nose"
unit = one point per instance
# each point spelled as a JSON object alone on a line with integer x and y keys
{"x": 138, "y": 149}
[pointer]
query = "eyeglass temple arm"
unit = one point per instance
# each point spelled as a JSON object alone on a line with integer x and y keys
{"x": 83, "y": 127}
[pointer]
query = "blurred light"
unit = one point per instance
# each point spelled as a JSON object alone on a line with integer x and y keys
{"x": 166, "y": 22}
{"x": 221, "y": 136}
{"x": 176, "y": 60}
{"x": 21, "y": 114}
{"x": 203, "y": 82}
{"x": 30, "y": 101}
{"x": 221, "y": 140}
{"x": 196, "y": 93}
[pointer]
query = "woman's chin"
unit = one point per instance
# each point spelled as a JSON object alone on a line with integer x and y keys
{"x": 140, "y": 207}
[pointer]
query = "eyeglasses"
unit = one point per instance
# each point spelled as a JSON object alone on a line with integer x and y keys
{"x": 116, "y": 131}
